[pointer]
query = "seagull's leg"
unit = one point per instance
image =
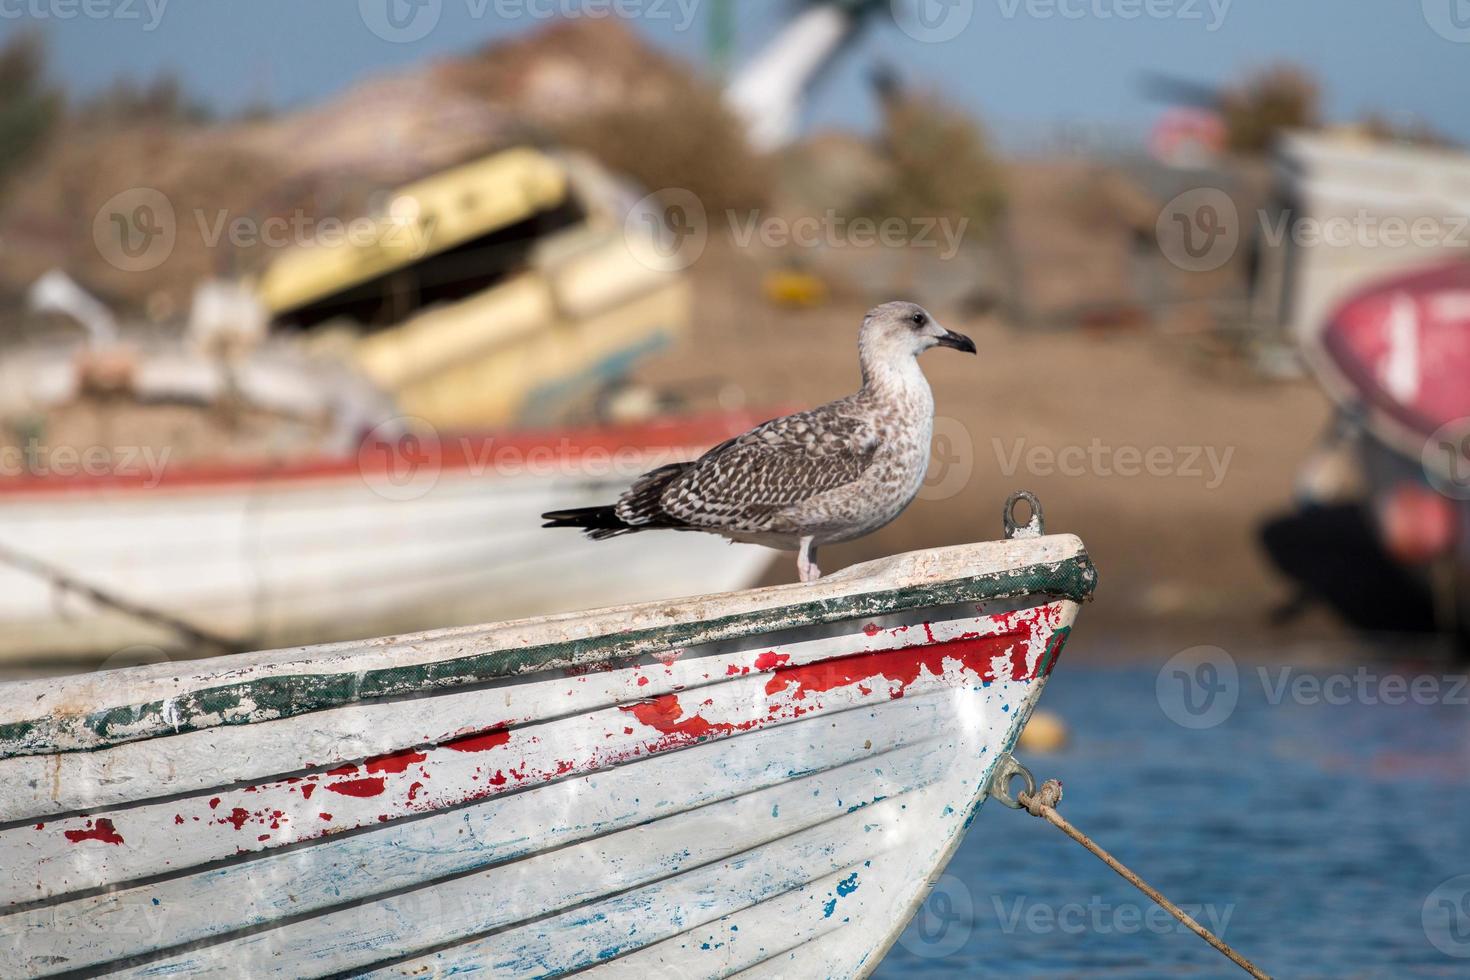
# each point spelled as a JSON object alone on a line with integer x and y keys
{"x": 806, "y": 561}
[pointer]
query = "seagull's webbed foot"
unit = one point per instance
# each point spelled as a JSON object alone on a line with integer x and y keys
{"x": 806, "y": 561}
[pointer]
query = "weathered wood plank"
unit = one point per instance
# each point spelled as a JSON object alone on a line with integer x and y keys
{"x": 452, "y": 910}
{"x": 737, "y": 942}
{"x": 631, "y": 920}
{"x": 34, "y": 788}
{"x": 117, "y": 924}
{"x": 154, "y": 838}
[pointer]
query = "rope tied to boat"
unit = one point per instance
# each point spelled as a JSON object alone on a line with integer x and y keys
{"x": 1042, "y": 802}
{"x": 1046, "y": 798}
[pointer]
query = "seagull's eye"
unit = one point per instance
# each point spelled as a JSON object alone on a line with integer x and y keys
{"x": 919, "y": 319}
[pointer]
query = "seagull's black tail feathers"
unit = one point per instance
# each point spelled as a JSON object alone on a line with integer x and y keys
{"x": 638, "y": 510}
{"x": 597, "y": 522}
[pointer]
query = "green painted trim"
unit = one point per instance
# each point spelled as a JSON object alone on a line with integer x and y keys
{"x": 286, "y": 696}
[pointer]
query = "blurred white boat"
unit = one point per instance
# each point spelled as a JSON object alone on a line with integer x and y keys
{"x": 407, "y": 534}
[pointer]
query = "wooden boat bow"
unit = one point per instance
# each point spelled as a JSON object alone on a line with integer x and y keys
{"x": 761, "y": 780}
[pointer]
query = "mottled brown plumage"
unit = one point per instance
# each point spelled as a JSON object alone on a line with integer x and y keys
{"x": 830, "y": 474}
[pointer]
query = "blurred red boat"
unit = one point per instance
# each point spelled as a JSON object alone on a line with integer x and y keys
{"x": 1402, "y": 349}
{"x": 1396, "y": 359}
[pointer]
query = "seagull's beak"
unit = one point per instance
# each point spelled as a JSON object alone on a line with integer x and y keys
{"x": 956, "y": 340}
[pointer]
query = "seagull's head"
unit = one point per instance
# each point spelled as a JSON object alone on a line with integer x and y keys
{"x": 907, "y": 329}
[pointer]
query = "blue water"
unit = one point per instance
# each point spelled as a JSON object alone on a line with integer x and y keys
{"x": 1324, "y": 833}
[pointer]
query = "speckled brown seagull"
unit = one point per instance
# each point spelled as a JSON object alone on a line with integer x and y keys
{"x": 828, "y": 475}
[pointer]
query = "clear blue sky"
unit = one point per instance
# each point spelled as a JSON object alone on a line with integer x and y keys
{"x": 1026, "y": 66}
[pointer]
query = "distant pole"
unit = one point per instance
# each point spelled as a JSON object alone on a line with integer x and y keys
{"x": 721, "y": 37}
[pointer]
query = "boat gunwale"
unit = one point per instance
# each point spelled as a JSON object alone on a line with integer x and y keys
{"x": 282, "y": 696}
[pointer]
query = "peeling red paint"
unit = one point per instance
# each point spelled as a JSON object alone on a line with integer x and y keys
{"x": 642, "y": 680}
{"x": 397, "y": 762}
{"x": 238, "y": 816}
{"x": 771, "y": 660}
{"x": 479, "y": 743}
{"x": 214, "y": 803}
{"x": 102, "y": 830}
{"x": 872, "y": 629}
{"x": 371, "y": 786}
{"x": 901, "y": 666}
{"x": 663, "y": 713}
{"x": 307, "y": 790}
{"x": 1018, "y": 660}
{"x": 324, "y": 816}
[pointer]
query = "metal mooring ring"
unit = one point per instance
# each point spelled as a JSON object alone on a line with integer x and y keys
{"x": 1006, "y": 769}
{"x": 1033, "y": 528}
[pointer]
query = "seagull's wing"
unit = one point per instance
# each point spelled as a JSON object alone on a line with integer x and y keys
{"x": 747, "y": 483}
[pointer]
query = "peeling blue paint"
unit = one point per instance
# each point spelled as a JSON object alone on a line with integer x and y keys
{"x": 845, "y": 887}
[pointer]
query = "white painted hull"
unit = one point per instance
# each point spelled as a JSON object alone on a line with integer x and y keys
{"x": 760, "y": 783}
{"x": 330, "y": 556}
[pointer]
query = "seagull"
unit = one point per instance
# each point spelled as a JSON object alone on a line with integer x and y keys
{"x": 824, "y": 476}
